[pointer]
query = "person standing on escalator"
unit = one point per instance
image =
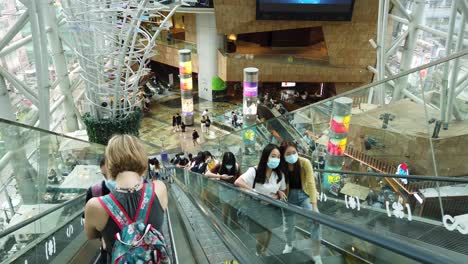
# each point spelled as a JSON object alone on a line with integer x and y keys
{"x": 127, "y": 163}
{"x": 267, "y": 179}
{"x": 301, "y": 192}
{"x": 101, "y": 188}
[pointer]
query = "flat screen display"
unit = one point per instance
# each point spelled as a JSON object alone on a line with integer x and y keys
{"x": 313, "y": 10}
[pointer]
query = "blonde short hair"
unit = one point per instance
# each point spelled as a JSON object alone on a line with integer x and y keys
{"x": 125, "y": 153}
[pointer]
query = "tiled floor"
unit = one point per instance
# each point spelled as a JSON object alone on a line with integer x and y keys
{"x": 156, "y": 127}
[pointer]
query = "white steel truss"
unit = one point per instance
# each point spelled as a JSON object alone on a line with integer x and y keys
{"x": 114, "y": 49}
{"x": 407, "y": 18}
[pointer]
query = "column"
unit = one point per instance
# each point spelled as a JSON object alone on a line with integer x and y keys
{"x": 208, "y": 43}
{"x": 250, "y": 104}
{"x": 186, "y": 85}
{"x": 338, "y": 132}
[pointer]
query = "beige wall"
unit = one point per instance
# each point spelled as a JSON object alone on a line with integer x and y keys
{"x": 347, "y": 42}
{"x": 238, "y": 16}
{"x": 450, "y": 153}
{"x": 190, "y": 27}
{"x": 231, "y": 68}
{"x": 170, "y": 56}
{"x": 344, "y": 87}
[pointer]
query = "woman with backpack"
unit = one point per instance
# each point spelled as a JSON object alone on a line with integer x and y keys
{"x": 123, "y": 216}
{"x": 302, "y": 192}
{"x": 227, "y": 171}
{"x": 267, "y": 179}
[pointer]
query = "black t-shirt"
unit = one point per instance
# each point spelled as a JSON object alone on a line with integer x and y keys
{"x": 179, "y": 120}
{"x": 89, "y": 192}
{"x": 294, "y": 181}
{"x": 195, "y": 135}
{"x": 183, "y": 162}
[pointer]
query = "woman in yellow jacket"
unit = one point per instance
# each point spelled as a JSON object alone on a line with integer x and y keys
{"x": 302, "y": 192}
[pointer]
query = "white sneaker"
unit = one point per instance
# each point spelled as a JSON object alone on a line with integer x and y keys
{"x": 287, "y": 249}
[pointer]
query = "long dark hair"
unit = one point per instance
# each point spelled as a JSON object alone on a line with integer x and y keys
{"x": 155, "y": 162}
{"x": 200, "y": 158}
{"x": 228, "y": 159}
{"x": 262, "y": 165}
{"x": 207, "y": 154}
{"x": 285, "y": 168}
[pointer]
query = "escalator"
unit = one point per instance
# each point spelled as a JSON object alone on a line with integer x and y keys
{"x": 341, "y": 242}
{"x": 197, "y": 232}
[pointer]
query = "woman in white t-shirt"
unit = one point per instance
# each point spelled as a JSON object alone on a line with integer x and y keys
{"x": 268, "y": 180}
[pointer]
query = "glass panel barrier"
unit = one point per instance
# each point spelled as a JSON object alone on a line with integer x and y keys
{"x": 394, "y": 127}
{"x": 40, "y": 171}
{"x": 40, "y": 241}
{"x": 243, "y": 215}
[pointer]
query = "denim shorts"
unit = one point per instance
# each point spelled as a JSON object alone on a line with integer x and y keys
{"x": 300, "y": 198}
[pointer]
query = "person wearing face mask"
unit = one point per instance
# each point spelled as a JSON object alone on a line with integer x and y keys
{"x": 210, "y": 192}
{"x": 302, "y": 192}
{"x": 227, "y": 171}
{"x": 266, "y": 179}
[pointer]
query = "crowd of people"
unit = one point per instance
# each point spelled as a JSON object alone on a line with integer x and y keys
{"x": 280, "y": 174}
{"x": 129, "y": 204}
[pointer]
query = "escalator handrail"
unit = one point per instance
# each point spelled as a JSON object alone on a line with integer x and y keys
{"x": 13, "y": 123}
{"x": 171, "y": 234}
{"x": 400, "y": 247}
{"x": 410, "y": 177}
{"x": 39, "y": 216}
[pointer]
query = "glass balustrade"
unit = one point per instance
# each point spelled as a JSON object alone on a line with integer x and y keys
{"x": 240, "y": 214}
{"x": 39, "y": 172}
{"x": 395, "y": 127}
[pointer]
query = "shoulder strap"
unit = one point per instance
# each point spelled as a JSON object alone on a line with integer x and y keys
{"x": 255, "y": 178}
{"x": 146, "y": 201}
{"x": 115, "y": 210}
{"x": 96, "y": 189}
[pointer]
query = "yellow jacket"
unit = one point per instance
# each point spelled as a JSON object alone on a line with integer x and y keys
{"x": 307, "y": 179}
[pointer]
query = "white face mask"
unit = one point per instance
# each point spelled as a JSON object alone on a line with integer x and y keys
{"x": 229, "y": 167}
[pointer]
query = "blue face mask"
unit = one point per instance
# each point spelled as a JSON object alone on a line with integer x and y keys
{"x": 291, "y": 159}
{"x": 110, "y": 184}
{"x": 273, "y": 163}
{"x": 229, "y": 167}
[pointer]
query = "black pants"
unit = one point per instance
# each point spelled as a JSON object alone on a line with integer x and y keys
{"x": 103, "y": 257}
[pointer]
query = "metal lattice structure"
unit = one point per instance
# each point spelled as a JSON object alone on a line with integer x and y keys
{"x": 114, "y": 41}
{"x": 408, "y": 23}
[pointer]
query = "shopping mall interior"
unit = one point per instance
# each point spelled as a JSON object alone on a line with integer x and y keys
{"x": 372, "y": 93}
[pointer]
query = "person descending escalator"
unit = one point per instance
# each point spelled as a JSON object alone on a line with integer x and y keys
{"x": 132, "y": 214}
{"x": 99, "y": 189}
{"x": 301, "y": 192}
{"x": 267, "y": 179}
{"x": 227, "y": 171}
